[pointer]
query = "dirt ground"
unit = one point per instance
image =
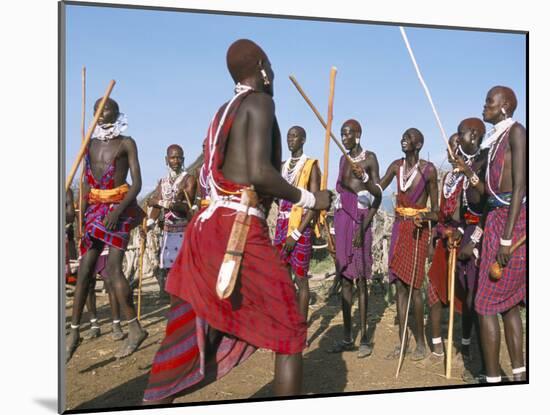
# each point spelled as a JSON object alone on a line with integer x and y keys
{"x": 95, "y": 379}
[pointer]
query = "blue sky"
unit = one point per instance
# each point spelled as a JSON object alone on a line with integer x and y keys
{"x": 171, "y": 77}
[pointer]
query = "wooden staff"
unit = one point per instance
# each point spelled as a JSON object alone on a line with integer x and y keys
{"x": 88, "y": 135}
{"x": 140, "y": 263}
{"x": 328, "y": 126}
{"x": 231, "y": 265}
{"x": 496, "y": 271}
{"x": 451, "y": 291}
{"x": 82, "y": 164}
{"x": 301, "y": 91}
{"x": 426, "y": 91}
{"x": 411, "y": 288}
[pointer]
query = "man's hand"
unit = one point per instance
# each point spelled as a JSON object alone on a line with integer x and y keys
{"x": 503, "y": 255}
{"x": 358, "y": 238}
{"x": 289, "y": 244}
{"x": 466, "y": 252}
{"x": 323, "y": 200}
{"x": 111, "y": 220}
{"x": 459, "y": 164}
{"x": 418, "y": 220}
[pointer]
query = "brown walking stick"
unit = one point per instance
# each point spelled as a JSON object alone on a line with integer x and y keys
{"x": 324, "y": 179}
{"x": 495, "y": 271}
{"x": 80, "y": 183}
{"x": 140, "y": 263}
{"x": 301, "y": 91}
{"x": 411, "y": 288}
{"x": 451, "y": 274}
{"x": 88, "y": 135}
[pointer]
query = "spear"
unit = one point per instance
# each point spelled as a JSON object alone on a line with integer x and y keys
{"x": 88, "y": 135}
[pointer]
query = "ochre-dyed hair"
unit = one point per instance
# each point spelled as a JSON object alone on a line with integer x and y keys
{"x": 354, "y": 124}
{"x": 242, "y": 59}
{"x": 509, "y": 96}
{"x": 473, "y": 124}
{"x": 174, "y": 146}
{"x": 299, "y": 129}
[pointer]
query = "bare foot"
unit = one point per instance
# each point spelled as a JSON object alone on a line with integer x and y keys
{"x": 132, "y": 343}
{"x": 117, "y": 333}
{"x": 93, "y": 333}
{"x": 73, "y": 342}
{"x": 419, "y": 353}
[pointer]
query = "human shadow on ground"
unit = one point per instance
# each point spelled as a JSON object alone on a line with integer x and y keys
{"x": 324, "y": 372}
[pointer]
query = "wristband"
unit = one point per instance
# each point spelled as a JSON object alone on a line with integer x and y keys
{"x": 505, "y": 242}
{"x": 307, "y": 199}
{"x": 296, "y": 235}
{"x": 460, "y": 229}
{"x": 365, "y": 177}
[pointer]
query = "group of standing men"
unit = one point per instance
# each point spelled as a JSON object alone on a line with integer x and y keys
{"x": 481, "y": 212}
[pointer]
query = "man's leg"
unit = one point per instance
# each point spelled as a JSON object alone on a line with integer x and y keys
{"x": 123, "y": 293}
{"x": 401, "y": 302}
{"x": 87, "y": 266}
{"x": 117, "y": 333}
{"x": 513, "y": 332}
{"x": 490, "y": 343}
{"x": 365, "y": 348}
{"x": 288, "y": 374}
{"x": 467, "y": 323}
{"x": 418, "y": 308}
{"x": 435, "y": 322}
{"x": 303, "y": 295}
{"x": 95, "y": 331}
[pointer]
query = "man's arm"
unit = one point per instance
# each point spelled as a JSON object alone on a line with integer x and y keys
{"x": 388, "y": 177}
{"x": 374, "y": 177}
{"x": 131, "y": 150}
{"x": 433, "y": 214}
{"x": 518, "y": 148}
{"x": 314, "y": 186}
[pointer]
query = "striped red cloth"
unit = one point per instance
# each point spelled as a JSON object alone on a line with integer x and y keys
{"x": 300, "y": 257}
{"x": 96, "y": 213}
{"x": 181, "y": 362}
{"x": 498, "y": 296}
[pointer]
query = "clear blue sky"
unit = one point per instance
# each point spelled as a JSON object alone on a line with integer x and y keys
{"x": 171, "y": 77}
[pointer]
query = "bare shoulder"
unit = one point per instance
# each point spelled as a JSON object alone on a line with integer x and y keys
{"x": 428, "y": 167}
{"x": 128, "y": 142}
{"x": 395, "y": 164}
{"x": 517, "y": 131}
{"x": 258, "y": 100}
{"x": 370, "y": 156}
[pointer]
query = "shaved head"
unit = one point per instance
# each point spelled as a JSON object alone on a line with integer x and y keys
{"x": 299, "y": 130}
{"x": 416, "y": 133}
{"x": 242, "y": 59}
{"x": 353, "y": 124}
{"x": 474, "y": 124}
{"x": 173, "y": 147}
{"x": 508, "y": 97}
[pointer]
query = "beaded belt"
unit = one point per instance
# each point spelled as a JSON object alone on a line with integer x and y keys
{"x": 108, "y": 195}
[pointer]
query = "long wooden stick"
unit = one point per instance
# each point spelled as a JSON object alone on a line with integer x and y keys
{"x": 411, "y": 288}
{"x": 495, "y": 271}
{"x": 452, "y": 267}
{"x": 82, "y": 129}
{"x": 88, "y": 135}
{"x": 426, "y": 90}
{"x": 320, "y": 118}
{"x": 140, "y": 263}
